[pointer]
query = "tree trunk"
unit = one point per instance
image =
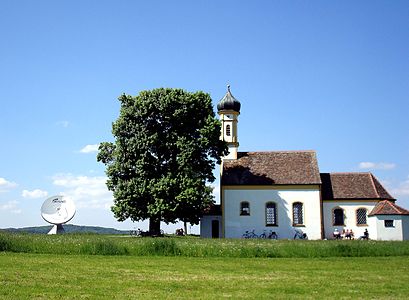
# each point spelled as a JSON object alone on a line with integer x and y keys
{"x": 185, "y": 225}
{"x": 154, "y": 226}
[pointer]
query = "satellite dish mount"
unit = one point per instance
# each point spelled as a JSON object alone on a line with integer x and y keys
{"x": 57, "y": 210}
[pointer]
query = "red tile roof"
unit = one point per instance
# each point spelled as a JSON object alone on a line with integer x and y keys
{"x": 388, "y": 208}
{"x": 270, "y": 168}
{"x": 352, "y": 186}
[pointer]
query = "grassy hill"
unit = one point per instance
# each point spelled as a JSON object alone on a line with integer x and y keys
{"x": 69, "y": 228}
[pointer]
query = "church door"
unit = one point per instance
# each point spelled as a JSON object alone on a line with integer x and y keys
{"x": 215, "y": 229}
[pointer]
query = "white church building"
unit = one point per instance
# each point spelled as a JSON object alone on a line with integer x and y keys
{"x": 283, "y": 192}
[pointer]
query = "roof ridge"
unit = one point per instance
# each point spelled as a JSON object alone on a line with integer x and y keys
{"x": 279, "y": 151}
{"x": 394, "y": 207}
{"x": 346, "y": 173}
{"x": 373, "y": 184}
{"x": 383, "y": 193}
{"x": 387, "y": 207}
{"x": 401, "y": 209}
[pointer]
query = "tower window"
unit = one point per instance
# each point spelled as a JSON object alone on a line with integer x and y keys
{"x": 338, "y": 215}
{"x": 271, "y": 214}
{"x": 361, "y": 216}
{"x": 298, "y": 218}
{"x": 244, "y": 208}
{"x": 228, "y": 130}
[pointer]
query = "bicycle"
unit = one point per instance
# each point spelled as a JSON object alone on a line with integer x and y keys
{"x": 137, "y": 232}
{"x": 273, "y": 235}
{"x": 299, "y": 235}
{"x": 140, "y": 233}
{"x": 263, "y": 235}
{"x": 249, "y": 235}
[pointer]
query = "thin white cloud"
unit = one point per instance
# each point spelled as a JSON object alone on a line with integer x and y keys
{"x": 6, "y": 185}
{"x": 64, "y": 124}
{"x": 402, "y": 189}
{"x": 376, "y": 166}
{"x": 90, "y": 148}
{"x": 10, "y": 206}
{"x": 85, "y": 191}
{"x": 37, "y": 193}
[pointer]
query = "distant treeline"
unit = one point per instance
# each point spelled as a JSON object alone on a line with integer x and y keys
{"x": 68, "y": 229}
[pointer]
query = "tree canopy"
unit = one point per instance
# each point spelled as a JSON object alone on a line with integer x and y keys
{"x": 167, "y": 142}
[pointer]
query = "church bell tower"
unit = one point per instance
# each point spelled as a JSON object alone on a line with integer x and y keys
{"x": 229, "y": 109}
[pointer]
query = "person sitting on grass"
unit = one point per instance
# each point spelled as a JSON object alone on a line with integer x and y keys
{"x": 337, "y": 234}
{"x": 365, "y": 236}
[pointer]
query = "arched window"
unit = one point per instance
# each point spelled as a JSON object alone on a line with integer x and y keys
{"x": 298, "y": 214}
{"x": 271, "y": 214}
{"x": 361, "y": 216}
{"x": 338, "y": 216}
{"x": 228, "y": 130}
{"x": 244, "y": 208}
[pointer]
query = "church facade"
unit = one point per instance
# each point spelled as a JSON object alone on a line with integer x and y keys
{"x": 282, "y": 194}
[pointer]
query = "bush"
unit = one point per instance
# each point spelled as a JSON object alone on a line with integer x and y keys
{"x": 4, "y": 243}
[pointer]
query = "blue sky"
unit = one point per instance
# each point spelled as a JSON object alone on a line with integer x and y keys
{"x": 331, "y": 76}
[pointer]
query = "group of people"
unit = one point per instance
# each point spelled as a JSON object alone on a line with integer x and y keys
{"x": 349, "y": 234}
{"x": 180, "y": 232}
{"x": 345, "y": 234}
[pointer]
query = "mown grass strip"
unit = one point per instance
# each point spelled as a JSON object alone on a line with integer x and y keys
{"x": 92, "y": 244}
{"x": 51, "y": 276}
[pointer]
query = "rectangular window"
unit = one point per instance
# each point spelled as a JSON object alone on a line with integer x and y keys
{"x": 361, "y": 216}
{"x": 228, "y": 130}
{"x": 338, "y": 217}
{"x": 298, "y": 214}
{"x": 388, "y": 223}
{"x": 244, "y": 208}
{"x": 271, "y": 214}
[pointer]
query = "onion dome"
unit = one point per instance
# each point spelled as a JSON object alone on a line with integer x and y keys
{"x": 228, "y": 102}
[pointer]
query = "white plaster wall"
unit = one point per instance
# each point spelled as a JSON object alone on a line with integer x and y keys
{"x": 235, "y": 225}
{"x": 206, "y": 226}
{"x": 394, "y": 233}
{"x": 228, "y": 138}
{"x": 405, "y": 227}
{"x": 229, "y": 120}
{"x": 349, "y": 208}
{"x": 228, "y": 117}
{"x": 232, "y": 152}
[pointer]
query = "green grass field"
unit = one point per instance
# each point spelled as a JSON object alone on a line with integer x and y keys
{"x": 93, "y": 244}
{"x": 51, "y": 276}
{"x": 112, "y": 267}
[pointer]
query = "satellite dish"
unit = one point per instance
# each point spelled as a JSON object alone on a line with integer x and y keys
{"x": 57, "y": 210}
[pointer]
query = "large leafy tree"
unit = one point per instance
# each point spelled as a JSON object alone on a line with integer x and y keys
{"x": 166, "y": 146}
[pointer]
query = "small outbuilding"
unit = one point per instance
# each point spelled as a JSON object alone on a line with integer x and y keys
{"x": 211, "y": 222}
{"x": 392, "y": 221}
